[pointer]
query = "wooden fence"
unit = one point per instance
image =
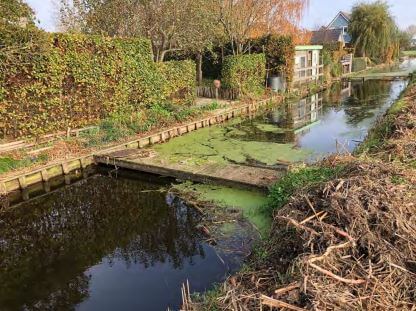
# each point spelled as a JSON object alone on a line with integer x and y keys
{"x": 223, "y": 93}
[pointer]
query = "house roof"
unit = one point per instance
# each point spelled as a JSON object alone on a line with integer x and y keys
{"x": 346, "y": 15}
{"x": 308, "y": 47}
{"x": 327, "y": 36}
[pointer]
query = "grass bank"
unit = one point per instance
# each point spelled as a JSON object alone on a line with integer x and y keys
{"x": 344, "y": 231}
{"x": 118, "y": 126}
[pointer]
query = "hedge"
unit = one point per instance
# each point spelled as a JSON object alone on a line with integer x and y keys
{"x": 180, "y": 79}
{"x": 280, "y": 54}
{"x": 359, "y": 64}
{"x": 77, "y": 80}
{"x": 245, "y": 72}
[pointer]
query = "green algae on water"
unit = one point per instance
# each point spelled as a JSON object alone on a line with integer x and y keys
{"x": 249, "y": 202}
{"x": 212, "y": 145}
{"x": 271, "y": 128}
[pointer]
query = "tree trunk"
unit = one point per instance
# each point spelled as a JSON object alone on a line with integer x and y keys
{"x": 162, "y": 56}
{"x": 199, "y": 68}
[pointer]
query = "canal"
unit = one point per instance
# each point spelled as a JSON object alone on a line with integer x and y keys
{"x": 125, "y": 242}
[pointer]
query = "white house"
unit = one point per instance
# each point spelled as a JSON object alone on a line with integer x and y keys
{"x": 308, "y": 63}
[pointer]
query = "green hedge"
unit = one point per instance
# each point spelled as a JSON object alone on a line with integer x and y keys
{"x": 359, "y": 64}
{"x": 245, "y": 73}
{"x": 77, "y": 80}
{"x": 280, "y": 54}
{"x": 180, "y": 79}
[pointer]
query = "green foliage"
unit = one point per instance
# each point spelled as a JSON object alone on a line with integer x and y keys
{"x": 78, "y": 80}
{"x": 295, "y": 180}
{"x": 331, "y": 60}
{"x": 128, "y": 122}
{"x": 333, "y": 46}
{"x": 374, "y": 31}
{"x": 405, "y": 40}
{"x": 8, "y": 163}
{"x": 180, "y": 79}
{"x": 280, "y": 54}
{"x": 359, "y": 64}
{"x": 382, "y": 130}
{"x": 245, "y": 73}
{"x": 13, "y": 12}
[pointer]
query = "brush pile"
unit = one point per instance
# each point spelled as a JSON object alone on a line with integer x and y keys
{"x": 348, "y": 244}
{"x": 400, "y": 144}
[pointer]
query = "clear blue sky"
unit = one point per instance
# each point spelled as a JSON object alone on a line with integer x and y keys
{"x": 320, "y": 12}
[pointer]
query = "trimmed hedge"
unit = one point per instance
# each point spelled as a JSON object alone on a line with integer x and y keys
{"x": 180, "y": 79}
{"x": 245, "y": 72}
{"x": 78, "y": 80}
{"x": 359, "y": 64}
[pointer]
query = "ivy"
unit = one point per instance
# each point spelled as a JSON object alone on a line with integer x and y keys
{"x": 245, "y": 73}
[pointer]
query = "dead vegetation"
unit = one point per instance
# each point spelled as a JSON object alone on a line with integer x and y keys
{"x": 348, "y": 244}
{"x": 399, "y": 141}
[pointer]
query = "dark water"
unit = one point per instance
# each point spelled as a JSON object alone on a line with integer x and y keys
{"x": 104, "y": 244}
{"x": 333, "y": 121}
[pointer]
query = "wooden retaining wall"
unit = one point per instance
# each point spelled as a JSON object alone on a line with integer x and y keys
{"x": 43, "y": 174}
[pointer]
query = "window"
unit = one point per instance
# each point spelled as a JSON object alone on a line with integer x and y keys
{"x": 302, "y": 62}
{"x": 345, "y": 30}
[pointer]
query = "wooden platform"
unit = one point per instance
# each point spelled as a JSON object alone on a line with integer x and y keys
{"x": 224, "y": 174}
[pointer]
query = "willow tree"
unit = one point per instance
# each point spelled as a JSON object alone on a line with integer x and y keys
{"x": 374, "y": 31}
{"x": 246, "y": 19}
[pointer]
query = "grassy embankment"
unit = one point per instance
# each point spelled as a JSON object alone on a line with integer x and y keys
{"x": 344, "y": 231}
{"x": 116, "y": 127}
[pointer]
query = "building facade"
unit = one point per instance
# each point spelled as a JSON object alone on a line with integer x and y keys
{"x": 341, "y": 22}
{"x": 308, "y": 63}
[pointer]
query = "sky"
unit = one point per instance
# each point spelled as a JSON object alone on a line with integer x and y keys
{"x": 320, "y": 12}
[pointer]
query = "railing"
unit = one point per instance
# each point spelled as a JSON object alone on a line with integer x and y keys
{"x": 346, "y": 59}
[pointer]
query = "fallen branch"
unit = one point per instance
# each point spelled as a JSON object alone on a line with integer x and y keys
{"x": 339, "y": 278}
{"x": 265, "y": 300}
{"x": 281, "y": 291}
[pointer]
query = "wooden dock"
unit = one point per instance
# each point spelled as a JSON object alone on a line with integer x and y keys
{"x": 225, "y": 174}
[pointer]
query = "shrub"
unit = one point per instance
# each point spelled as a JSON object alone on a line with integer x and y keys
{"x": 180, "y": 79}
{"x": 280, "y": 54}
{"x": 331, "y": 56}
{"x": 245, "y": 73}
{"x": 359, "y": 64}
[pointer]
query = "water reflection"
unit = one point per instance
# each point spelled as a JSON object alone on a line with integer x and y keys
{"x": 102, "y": 244}
{"x": 333, "y": 121}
